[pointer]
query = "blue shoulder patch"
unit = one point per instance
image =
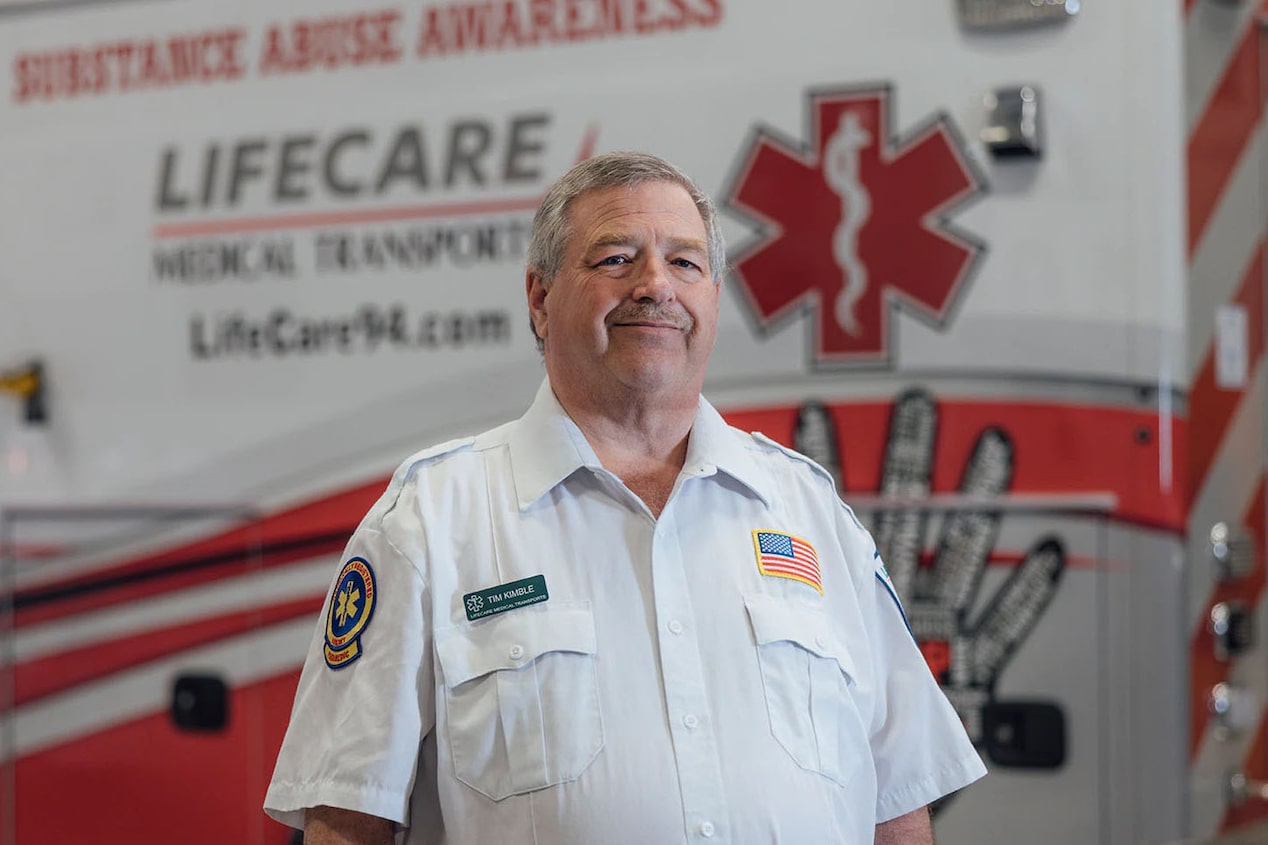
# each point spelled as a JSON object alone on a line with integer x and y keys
{"x": 351, "y": 607}
{"x": 882, "y": 575}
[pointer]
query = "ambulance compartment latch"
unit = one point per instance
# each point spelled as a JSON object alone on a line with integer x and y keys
{"x": 1025, "y": 734}
{"x": 1013, "y": 128}
{"x": 200, "y": 702}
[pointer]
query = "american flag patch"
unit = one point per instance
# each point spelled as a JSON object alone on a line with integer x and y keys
{"x": 786, "y": 556}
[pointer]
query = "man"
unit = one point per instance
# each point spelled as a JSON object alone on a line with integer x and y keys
{"x": 616, "y": 620}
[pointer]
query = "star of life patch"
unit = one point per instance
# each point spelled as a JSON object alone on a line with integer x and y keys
{"x": 784, "y": 556}
{"x": 351, "y": 606}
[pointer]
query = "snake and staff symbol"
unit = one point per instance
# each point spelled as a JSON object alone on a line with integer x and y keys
{"x": 841, "y": 171}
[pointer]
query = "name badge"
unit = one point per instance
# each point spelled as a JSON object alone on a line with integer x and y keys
{"x": 505, "y": 597}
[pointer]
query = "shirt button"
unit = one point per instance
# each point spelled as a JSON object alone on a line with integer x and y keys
{"x": 821, "y": 641}
{"x": 690, "y": 721}
{"x": 707, "y": 829}
{"x": 516, "y": 652}
{"x": 675, "y": 627}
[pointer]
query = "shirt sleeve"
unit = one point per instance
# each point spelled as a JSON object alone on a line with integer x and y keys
{"x": 920, "y": 749}
{"x": 366, "y": 695}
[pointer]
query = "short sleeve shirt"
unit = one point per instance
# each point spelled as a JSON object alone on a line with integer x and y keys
{"x": 516, "y": 650}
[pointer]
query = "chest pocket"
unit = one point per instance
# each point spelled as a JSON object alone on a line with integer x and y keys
{"x": 522, "y": 699}
{"x": 807, "y": 674}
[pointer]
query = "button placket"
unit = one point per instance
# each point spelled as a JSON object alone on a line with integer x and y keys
{"x": 682, "y": 670}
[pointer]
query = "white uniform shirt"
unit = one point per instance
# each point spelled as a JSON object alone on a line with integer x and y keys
{"x": 665, "y": 691}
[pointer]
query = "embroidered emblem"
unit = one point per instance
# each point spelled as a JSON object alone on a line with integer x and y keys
{"x": 785, "y": 556}
{"x": 505, "y": 597}
{"x": 351, "y": 607}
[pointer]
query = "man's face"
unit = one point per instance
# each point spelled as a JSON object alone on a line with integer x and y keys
{"x": 634, "y": 305}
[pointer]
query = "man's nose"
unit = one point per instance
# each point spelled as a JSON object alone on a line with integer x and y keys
{"x": 654, "y": 283}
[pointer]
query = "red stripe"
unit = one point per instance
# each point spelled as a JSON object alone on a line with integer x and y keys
{"x": 336, "y": 514}
{"x": 781, "y": 560}
{"x": 1204, "y": 670}
{"x": 805, "y": 550}
{"x": 1212, "y": 408}
{"x": 784, "y": 565}
{"x": 1058, "y": 447}
{"x": 1221, "y": 137}
{"x": 55, "y": 673}
{"x": 115, "y": 596}
{"x": 309, "y": 220}
{"x": 791, "y": 573}
{"x": 1012, "y": 557}
{"x": 1188, "y": 5}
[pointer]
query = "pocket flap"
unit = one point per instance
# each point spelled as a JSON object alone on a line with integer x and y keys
{"x": 776, "y": 620}
{"x": 512, "y": 640}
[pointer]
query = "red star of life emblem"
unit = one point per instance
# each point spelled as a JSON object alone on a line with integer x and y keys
{"x": 854, "y": 224}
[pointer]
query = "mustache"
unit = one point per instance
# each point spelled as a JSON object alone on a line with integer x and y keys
{"x": 644, "y": 312}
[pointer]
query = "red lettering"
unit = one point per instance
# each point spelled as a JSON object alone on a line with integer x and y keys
{"x": 615, "y": 15}
{"x": 677, "y": 19}
{"x": 468, "y": 29}
{"x": 508, "y": 31}
{"x": 274, "y": 58}
{"x": 23, "y": 78}
{"x": 124, "y": 65}
{"x": 186, "y": 59}
{"x": 384, "y": 43}
{"x": 231, "y": 65}
{"x": 642, "y": 17}
{"x": 430, "y": 40}
{"x": 542, "y": 14}
{"x": 710, "y": 15}
{"x": 123, "y": 51}
{"x": 101, "y": 78}
{"x": 152, "y": 70}
{"x": 573, "y": 29}
{"x": 333, "y": 42}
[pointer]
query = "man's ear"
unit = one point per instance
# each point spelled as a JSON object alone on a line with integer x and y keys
{"x": 535, "y": 288}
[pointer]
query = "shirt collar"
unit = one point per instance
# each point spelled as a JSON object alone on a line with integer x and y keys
{"x": 546, "y": 447}
{"x": 716, "y": 446}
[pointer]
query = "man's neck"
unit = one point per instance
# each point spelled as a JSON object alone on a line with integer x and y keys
{"x": 642, "y": 440}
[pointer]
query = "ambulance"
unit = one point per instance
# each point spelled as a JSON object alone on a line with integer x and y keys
{"x": 998, "y": 265}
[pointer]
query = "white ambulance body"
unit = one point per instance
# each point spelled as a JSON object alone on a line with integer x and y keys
{"x": 1003, "y": 277}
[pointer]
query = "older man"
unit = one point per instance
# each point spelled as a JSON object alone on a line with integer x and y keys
{"x": 616, "y": 619}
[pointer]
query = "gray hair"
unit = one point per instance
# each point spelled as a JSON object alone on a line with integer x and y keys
{"x": 552, "y": 228}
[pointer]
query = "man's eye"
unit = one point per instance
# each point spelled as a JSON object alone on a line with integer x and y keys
{"x": 683, "y": 262}
{"x": 612, "y": 260}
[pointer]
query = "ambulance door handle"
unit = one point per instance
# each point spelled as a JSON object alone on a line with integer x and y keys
{"x": 1234, "y": 710}
{"x": 1232, "y": 629}
{"x": 1232, "y": 551}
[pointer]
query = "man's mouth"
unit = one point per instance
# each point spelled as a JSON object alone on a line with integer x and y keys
{"x": 651, "y": 320}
